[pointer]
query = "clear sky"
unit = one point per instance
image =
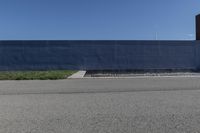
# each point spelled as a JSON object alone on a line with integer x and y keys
{"x": 98, "y": 19}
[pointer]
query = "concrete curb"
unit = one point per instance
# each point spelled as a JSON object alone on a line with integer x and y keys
{"x": 142, "y": 77}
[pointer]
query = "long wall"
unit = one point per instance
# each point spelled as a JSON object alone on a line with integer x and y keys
{"x": 99, "y": 55}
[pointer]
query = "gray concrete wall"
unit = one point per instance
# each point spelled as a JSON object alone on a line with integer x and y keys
{"x": 99, "y": 55}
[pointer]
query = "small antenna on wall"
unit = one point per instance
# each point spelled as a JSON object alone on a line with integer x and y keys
{"x": 156, "y": 32}
{"x": 156, "y": 35}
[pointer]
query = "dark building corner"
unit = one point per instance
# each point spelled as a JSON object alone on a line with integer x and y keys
{"x": 198, "y": 27}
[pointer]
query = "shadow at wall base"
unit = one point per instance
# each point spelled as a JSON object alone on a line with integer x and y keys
{"x": 140, "y": 71}
{"x": 119, "y": 71}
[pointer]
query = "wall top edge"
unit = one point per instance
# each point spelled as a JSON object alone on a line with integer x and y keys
{"x": 99, "y": 40}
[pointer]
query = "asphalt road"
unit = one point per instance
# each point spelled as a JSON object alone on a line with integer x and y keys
{"x": 99, "y": 85}
{"x": 139, "y": 105}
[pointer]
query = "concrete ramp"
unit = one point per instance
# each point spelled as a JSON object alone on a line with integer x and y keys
{"x": 77, "y": 75}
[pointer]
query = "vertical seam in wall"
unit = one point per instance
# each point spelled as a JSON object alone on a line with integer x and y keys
{"x": 196, "y": 56}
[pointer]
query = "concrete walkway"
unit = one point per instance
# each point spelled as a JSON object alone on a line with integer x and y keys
{"x": 77, "y": 75}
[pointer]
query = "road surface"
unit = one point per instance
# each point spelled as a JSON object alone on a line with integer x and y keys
{"x": 139, "y": 105}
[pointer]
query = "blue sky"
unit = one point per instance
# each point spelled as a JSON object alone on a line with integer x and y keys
{"x": 98, "y": 19}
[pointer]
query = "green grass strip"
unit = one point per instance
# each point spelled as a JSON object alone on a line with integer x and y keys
{"x": 35, "y": 75}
